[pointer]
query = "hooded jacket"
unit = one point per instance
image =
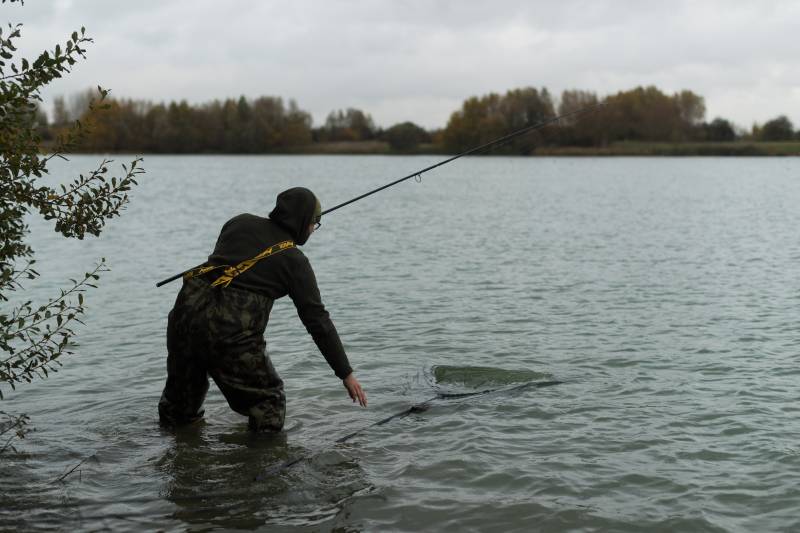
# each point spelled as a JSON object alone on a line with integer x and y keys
{"x": 295, "y": 211}
{"x": 288, "y": 272}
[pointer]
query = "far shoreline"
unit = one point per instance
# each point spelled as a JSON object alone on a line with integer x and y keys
{"x": 618, "y": 149}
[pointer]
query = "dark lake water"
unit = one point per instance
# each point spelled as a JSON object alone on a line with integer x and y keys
{"x": 663, "y": 292}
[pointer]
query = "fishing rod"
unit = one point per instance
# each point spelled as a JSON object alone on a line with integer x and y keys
{"x": 491, "y": 144}
{"x": 418, "y": 174}
{"x": 416, "y": 408}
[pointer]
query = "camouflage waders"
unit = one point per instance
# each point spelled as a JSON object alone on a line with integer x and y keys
{"x": 219, "y": 332}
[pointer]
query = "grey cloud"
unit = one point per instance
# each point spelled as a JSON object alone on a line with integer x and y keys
{"x": 417, "y": 60}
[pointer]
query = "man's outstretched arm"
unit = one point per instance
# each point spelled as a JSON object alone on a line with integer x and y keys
{"x": 306, "y": 297}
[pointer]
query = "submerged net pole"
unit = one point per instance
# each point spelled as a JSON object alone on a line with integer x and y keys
{"x": 416, "y": 408}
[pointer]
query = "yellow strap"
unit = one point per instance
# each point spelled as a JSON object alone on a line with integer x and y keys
{"x": 199, "y": 271}
{"x": 233, "y": 271}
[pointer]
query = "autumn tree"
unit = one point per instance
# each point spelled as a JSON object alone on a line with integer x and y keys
{"x": 648, "y": 114}
{"x": 476, "y": 122}
{"x": 585, "y": 130}
{"x": 347, "y": 125}
{"x": 296, "y": 126}
{"x": 238, "y": 126}
{"x": 405, "y": 136}
{"x": 777, "y": 129}
{"x": 719, "y": 130}
{"x": 691, "y": 109}
{"x": 482, "y": 119}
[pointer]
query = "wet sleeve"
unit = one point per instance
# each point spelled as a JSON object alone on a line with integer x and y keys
{"x": 304, "y": 293}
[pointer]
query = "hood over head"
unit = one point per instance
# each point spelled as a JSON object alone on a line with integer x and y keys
{"x": 295, "y": 210}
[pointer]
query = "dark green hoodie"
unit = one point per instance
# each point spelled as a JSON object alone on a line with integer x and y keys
{"x": 287, "y": 272}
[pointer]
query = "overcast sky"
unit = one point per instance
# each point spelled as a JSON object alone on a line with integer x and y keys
{"x": 418, "y": 60}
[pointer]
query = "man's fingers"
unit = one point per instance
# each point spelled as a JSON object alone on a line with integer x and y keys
{"x": 362, "y": 398}
{"x": 355, "y": 391}
{"x": 357, "y": 394}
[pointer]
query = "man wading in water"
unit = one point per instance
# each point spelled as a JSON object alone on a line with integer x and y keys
{"x": 217, "y": 324}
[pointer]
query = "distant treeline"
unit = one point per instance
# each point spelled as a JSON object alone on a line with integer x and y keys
{"x": 269, "y": 125}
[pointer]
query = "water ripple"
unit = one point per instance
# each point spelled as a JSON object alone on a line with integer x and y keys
{"x": 655, "y": 289}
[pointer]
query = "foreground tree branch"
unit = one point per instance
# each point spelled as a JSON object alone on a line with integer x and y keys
{"x": 33, "y": 338}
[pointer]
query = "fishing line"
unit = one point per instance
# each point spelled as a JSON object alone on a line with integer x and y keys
{"x": 484, "y": 147}
{"x": 417, "y": 175}
{"x": 416, "y": 408}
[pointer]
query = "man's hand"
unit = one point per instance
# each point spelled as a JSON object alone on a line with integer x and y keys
{"x": 354, "y": 389}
